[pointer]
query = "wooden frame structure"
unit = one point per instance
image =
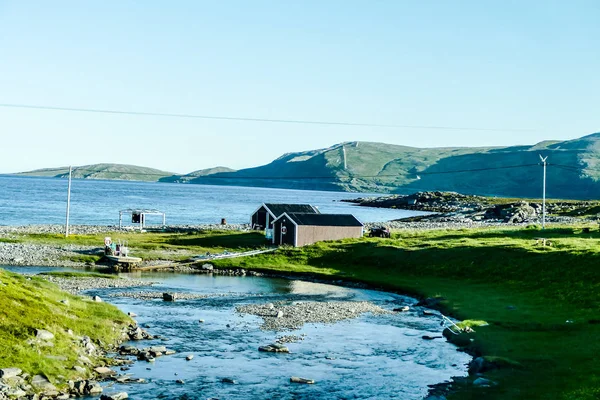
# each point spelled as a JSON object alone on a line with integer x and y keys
{"x": 138, "y": 216}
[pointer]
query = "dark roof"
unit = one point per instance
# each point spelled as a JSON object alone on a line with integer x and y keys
{"x": 325, "y": 219}
{"x": 279, "y": 209}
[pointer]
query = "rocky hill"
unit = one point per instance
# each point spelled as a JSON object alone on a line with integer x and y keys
{"x": 104, "y": 171}
{"x": 573, "y": 170}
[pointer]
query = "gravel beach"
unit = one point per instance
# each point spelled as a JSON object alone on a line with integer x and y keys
{"x": 281, "y": 317}
{"x": 80, "y": 284}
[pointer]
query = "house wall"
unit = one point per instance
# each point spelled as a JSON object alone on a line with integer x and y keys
{"x": 308, "y": 234}
{"x": 289, "y": 236}
{"x": 260, "y": 217}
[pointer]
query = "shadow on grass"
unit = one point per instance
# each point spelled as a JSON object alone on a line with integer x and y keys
{"x": 551, "y": 233}
{"x": 243, "y": 240}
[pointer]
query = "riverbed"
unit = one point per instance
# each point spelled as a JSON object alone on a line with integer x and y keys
{"x": 371, "y": 356}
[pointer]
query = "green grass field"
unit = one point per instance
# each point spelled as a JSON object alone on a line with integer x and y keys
{"x": 27, "y": 304}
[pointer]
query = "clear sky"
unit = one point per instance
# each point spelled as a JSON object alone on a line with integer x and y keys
{"x": 530, "y": 67}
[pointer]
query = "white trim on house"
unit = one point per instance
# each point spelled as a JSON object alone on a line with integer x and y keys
{"x": 293, "y": 222}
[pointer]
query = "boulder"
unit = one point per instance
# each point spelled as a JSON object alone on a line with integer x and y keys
{"x": 229, "y": 380}
{"x": 97, "y": 299}
{"x": 92, "y": 387}
{"x": 80, "y": 370}
{"x": 189, "y": 358}
{"x": 16, "y": 393}
{"x": 274, "y": 348}
{"x": 169, "y": 296}
{"x": 43, "y": 334}
{"x": 7, "y": 373}
{"x": 208, "y": 267}
{"x": 40, "y": 382}
{"x": 115, "y": 396}
{"x": 105, "y": 371}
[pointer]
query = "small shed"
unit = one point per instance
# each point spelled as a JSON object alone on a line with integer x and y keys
{"x": 300, "y": 229}
{"x": 138, "y": 216}
{"x": 264, "y": 215}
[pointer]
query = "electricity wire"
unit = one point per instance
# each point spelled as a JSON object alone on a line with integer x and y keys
{"x": 248, "y": 119}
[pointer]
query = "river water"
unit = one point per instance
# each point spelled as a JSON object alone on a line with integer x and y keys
{"x": 370, "y": 357}
{"x": 32, "y": 200}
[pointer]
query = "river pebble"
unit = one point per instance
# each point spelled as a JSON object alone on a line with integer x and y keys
{"x": 177, "y": 295}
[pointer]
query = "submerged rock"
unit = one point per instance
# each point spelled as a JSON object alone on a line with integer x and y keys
{"x": 169, "y": 296}
{"x": 115, "y": 396}
{"x": 274, "y": 348}
{"x": 296, "y": 379}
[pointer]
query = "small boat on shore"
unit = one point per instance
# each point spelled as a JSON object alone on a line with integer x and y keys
{"x": 117, "y": 255}
{"x": 124, "y": 259}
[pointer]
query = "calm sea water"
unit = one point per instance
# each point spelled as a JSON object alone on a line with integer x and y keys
{"x": 29, "y": 200}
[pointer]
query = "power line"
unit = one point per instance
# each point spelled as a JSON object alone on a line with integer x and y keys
{"x": 245, "y": 119}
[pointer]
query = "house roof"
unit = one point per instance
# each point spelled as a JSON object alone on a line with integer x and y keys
{"x": 279, "y": 209}
{"x": 324, "y": 219}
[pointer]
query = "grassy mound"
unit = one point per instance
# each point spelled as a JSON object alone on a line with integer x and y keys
{"x": 30, "y": 303}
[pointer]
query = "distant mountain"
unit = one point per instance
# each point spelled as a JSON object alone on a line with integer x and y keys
{"x": 573, "y": 170}
{"x": 104, "y": 171}
{"x": 195, "y": 174}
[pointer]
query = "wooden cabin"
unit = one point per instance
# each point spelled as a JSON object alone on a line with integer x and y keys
{"x": 300, "y": 229}
{"x": 263, "y": 217}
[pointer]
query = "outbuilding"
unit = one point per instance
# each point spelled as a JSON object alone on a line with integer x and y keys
{"x": 300, "y": 229}
{"x": 264, "y": 216}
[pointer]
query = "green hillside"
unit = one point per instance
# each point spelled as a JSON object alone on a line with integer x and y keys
{"x": 104, "y": 171}
{"x": 195, "y": 174}
{"x": 573, "y": 171}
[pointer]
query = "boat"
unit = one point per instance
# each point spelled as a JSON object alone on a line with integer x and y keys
{"x": 124, "y": 259}
{"x": 117, "y": 255}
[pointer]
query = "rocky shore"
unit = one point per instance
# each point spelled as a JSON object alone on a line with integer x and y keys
{"x": 452, "y": 209}
{"x": 76, "y": 285}
{"x": 92, "y": 367}
{"x": 7, "y": 231}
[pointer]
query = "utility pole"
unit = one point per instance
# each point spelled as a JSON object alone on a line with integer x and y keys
{"x": 68, "y": 202}
{"x": 544, "y": 193}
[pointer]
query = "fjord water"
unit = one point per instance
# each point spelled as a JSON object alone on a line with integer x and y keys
{"x": 371, "y": 357}
{"x": 32, "y": 200}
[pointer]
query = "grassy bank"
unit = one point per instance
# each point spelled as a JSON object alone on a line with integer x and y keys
{"x": 28, "y": 304}
{"x": 541, "y": 302}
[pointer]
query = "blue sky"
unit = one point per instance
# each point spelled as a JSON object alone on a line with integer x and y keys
{"x": 531, "y": 68}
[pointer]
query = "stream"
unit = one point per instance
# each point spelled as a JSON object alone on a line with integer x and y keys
{"x": 373, "y": 356}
